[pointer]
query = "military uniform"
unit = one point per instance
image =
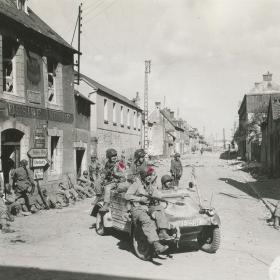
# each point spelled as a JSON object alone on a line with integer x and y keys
{"x": 176, "y": 170}
{"x": 94, "y": 169}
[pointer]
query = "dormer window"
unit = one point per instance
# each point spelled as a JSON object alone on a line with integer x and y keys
{"x": 22, "y": 5}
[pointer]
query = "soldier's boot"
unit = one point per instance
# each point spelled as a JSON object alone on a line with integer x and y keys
{"x": 159, "y": 248}
{"x": 163, "y": 235}
{"x": 105, "y": 207}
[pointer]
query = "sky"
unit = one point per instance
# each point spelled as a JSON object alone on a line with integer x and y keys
{"x": 205, "y": 54}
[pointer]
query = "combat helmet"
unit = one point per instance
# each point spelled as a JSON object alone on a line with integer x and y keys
{"x": 139, "y": 153}
{"x": 165, "y": 179}
{"x": 111, "y": 153}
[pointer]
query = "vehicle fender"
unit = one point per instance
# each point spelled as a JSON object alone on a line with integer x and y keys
{"x": 107, "y": 220}
{"x": 96, "y": 208}
{"x": 215, "y": 220}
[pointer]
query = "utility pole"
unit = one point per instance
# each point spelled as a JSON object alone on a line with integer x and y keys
{"x": 78, "y": 63}
{"x": 224, "y": 138}
{"x": 146, "y": 104}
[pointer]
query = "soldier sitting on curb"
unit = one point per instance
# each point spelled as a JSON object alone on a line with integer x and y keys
{"x": 85, "y": 185}
{"x": 149, "y": 216}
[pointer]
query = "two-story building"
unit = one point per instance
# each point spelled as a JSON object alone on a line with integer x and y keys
{"x": 36, "y": 93}
{"x": 116, "y": 121}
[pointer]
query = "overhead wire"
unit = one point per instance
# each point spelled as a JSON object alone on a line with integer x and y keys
{"x": 89, "y": 10}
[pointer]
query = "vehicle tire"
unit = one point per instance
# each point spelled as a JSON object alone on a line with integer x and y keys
{"x": 143, "y": 250}
{"x": 99, "y": 225}
{"x": 209, "y": 239}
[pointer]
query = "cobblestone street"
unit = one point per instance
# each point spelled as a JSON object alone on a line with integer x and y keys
{"x": 50, "y": 244}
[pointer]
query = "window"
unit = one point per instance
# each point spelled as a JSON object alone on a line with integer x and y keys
{"x": 128, "y": 118}
{"x": 9, "y": 51}
{"x": 139, "y": 121}
{"x": 122, "y": 116}
{"x": 52, "y": 67}
{"x": 105, "y": 111}
{"x": 134, "y": 120}
{"x": 54, "y": 153}
{"x": 114, "y": 114}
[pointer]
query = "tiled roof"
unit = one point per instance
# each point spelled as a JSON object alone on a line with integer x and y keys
{"x": 31, "y": 21}
{"x": 108, "y": 91}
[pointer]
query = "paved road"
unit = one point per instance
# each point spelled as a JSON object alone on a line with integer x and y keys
{"x": 59, "y": 244}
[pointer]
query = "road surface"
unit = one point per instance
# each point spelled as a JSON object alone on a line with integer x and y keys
{"x": 60, "y": 244}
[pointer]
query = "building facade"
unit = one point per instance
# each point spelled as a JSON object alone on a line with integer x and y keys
{"x": 252, "y": 110}
{"x": 36, "y": 93}
{"x": 116, "y": 121}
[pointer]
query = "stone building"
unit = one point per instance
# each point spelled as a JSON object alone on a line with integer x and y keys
{"x": 116, "y": 121}
{"x": 36, "y": 93}
{"x": 254, "y": 106}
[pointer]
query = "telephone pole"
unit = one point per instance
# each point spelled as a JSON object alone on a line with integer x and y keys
{"x": 78, "y": 62}
{"x": 146, "y": 104}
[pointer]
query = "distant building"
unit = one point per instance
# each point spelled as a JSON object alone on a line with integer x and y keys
{"x": 116, "y": 121}
{"x": 36, "y": 93}
{"x": 164, "y": 134}
{"x": 255, "y": 103}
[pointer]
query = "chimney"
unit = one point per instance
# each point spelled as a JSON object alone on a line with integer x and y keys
{"x": 158, "y": 105}
{"x": 267, "y": 77}
{"x": 172, "y": 115}
{"x": 22, "y": 5}
{"x": 136, "y": 100}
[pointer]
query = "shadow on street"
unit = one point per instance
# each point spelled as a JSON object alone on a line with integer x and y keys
{"x": 267, "y": 189}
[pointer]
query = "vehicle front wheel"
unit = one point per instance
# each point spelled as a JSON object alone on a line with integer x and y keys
{"x": 142, "y": 248}
{"x": 209, "y": 239}
{"x": 99, "y": 227}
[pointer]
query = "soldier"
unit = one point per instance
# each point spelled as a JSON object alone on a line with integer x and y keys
{"x": 176, "y": 169}
{"x": 84, "y": 185}
{"x": 94, "y": 168}
{"x": 113, "y": 177}
{"x": 142, "y": 213}
{"x": 24, "y": 185}
{"x": 139, "y": 163}
{"x": 166, "y": 182}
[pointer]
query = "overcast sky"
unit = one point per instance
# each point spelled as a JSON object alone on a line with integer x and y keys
{"x": 206, "y": 54}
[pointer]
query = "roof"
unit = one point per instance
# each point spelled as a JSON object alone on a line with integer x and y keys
{"x": 265, "y": 87}
{"x": 165, "y": 115}
{"x": 79, "y": 94}
{"x": 31, "y": 21}
{"x": 108, "y": 91}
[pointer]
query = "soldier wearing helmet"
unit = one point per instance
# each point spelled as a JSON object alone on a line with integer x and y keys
{"x": 151, "y": 217}
{"x": 113, "y": 177}
{"x": 139, "y": 163}
{"x": 176, "y": 169}
{"x": 24, "y": 184}
{"x": 94, "y": 168}
{"x": 166, "y": 182}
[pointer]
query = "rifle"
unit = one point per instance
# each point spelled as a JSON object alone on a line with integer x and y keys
{"x": 162, "y": 200}
{"x": 41, "y": 195}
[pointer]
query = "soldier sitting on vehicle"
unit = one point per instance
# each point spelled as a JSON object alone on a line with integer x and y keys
{"x": 113, "y": 177}
{"x": 139, "y": 163}
{"x": 166, "y": 182}
{"x": 176, "y": 169}
{"x": 149, "y": 216}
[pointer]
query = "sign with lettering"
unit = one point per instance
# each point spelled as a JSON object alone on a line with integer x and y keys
{"x": 37, "y": 153}
{"x": 18, "y": 110}
{"x": 39, "y": 162}
{"x": 38, "y": 174}
{"x": 39, "y": 138}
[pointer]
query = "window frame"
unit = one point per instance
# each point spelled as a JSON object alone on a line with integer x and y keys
{"x": 105, "y": 111}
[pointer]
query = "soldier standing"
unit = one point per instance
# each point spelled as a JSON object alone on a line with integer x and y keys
{"x": 24, "y": 184}
{"x": 176, "y": 169}
{"x": 94, "y": 168}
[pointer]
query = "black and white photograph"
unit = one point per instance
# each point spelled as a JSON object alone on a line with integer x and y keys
{"x": 139, "y": 139}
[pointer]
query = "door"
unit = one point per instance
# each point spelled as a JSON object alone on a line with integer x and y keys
{"x": 79, "y": 161}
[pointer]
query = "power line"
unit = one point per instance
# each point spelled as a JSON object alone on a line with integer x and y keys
{"x": 93, "y": 7}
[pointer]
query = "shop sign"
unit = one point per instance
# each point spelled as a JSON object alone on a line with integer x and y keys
{"x": 37, "y": 153}
{"x": 38, "y": 174}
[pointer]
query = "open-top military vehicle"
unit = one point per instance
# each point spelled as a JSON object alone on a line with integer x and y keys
{"x": 188, "y": 222}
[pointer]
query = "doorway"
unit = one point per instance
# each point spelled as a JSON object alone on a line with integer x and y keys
{"x": 10, "y": 151}
{"x": 79, "y": 161}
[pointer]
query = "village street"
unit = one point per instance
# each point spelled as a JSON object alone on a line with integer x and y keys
{"x": 51, "y": 244}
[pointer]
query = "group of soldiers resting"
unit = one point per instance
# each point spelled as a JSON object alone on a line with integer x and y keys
{"x": 22, "y": 196}
{"x": 138, "y": 184}
{"x": 137, "y": 181}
